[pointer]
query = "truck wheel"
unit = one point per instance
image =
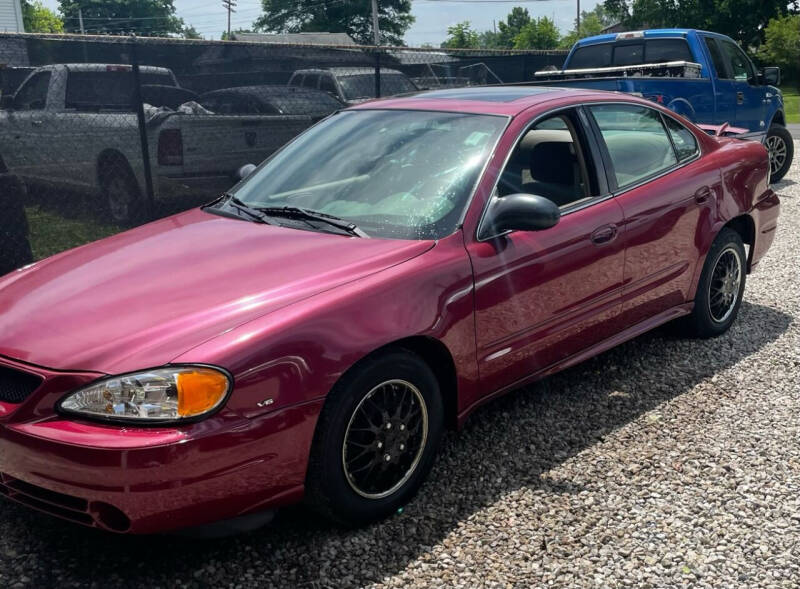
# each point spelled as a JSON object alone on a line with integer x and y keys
{"x": 780, "y": 146}
{"x": 124, "y": 203}
{"x": 376, "y": 439}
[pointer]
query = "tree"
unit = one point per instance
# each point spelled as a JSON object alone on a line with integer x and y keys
{"x": 782, "y": 46}
{"x": 490, "y": 40}
{"x": 37, "y": 18}
{"x": 461, "y": 36}
{"x": 353, "y": 17}
{"x": 516, "y": 20}
{"x": 541, "y": 33}
{"x": 189, "y": 32}
{"x": 225, "y": 37}
{"x": 592, "y": 23}
{"x": 143, "y": 17}
{"x": 743, "y": 20}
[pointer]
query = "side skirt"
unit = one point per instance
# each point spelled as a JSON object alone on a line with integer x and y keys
{"x": 599, "y": 348}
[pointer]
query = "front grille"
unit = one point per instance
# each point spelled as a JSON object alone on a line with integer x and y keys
{"x": 16, "y": 386}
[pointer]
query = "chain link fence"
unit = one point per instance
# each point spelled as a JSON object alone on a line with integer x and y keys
{"x": 98, "y": 134}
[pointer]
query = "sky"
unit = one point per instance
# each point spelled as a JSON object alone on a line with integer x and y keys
{"x": 433, "y": 16}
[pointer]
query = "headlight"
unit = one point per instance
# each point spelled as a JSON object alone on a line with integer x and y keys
{"x": 176, "y": 393}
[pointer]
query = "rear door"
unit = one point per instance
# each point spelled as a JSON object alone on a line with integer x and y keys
{"x": 666, "y": 191}
{"x": 25, "y": 149}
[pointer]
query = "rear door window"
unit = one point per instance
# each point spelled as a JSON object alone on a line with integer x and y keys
{"x": 682, "y": 138}
{"x": 311, "y": 81}
{"x": 716, "y": 58}
{"x": 33, "y": 94}
{"x": 636, "y": 140}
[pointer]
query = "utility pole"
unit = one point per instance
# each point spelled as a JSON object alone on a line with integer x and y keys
{"x": 578, "y": 20}
{"x": 229, "y": 5}
{"x": 376, "y": 31}
{"x": 80, "y": 21}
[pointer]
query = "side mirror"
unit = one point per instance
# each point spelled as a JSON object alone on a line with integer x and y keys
{"x": 7, "y": 102}
{"x": 519, "y": 212}
{"x": 245, "y": 171}
{"x": 771, "y": 76}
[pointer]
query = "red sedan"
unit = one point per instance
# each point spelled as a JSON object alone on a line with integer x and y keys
{"x": 311, "y": 333}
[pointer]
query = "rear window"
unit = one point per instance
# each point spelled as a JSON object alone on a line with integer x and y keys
{"x": 111, "y": 90}
{"x": 316, "y": 105}
{"x": 630, "y": 53}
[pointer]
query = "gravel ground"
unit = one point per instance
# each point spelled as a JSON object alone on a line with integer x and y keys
{"x": 663, "y": 462}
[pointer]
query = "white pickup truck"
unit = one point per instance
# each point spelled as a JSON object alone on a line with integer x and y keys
{"x": 72, "y": 127}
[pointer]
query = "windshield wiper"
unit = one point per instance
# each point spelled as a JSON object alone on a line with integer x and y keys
{"x": 241, "y": 206}
{"x": 309, "y": 215}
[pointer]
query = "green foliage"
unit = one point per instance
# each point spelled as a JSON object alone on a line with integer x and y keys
{"x": 743, "y": 20}
{"x": 353, "y": 17}
{"x": 782, "y": 46}
{"x": 189, "y": 32}
{"x": 143, "y": 17}
{"x": 490, "y": 40}
{"x": 225, "y": 37}
{"x": 37, "y": 18}
{"x": 461, "y": 36}
{"x": 541, "y": 33}
{"x": 592, "y": 23}
{"x": 508, "y": 30}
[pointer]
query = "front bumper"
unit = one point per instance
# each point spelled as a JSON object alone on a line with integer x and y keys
{"x": 147, "y": 480}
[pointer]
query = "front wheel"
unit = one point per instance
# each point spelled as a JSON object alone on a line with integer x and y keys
{"x": 721, "y": 286}
{"x": 780, "y": 145}
{"x": 376, "y": 439}
{"x": 124, "y": 203}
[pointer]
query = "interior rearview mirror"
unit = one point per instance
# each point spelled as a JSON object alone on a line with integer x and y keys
{"x": 771, "y": 75}
{"x": 245, "y": 171}
{"x": 519, "y": 212}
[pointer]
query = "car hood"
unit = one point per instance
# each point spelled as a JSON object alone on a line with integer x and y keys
{"x": 141, "y": 298}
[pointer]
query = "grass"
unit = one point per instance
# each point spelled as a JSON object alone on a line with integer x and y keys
{"x": 791, "y": 98}
{"x": 51, "y": 233}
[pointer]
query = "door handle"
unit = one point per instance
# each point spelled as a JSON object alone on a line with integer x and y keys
{"x": 740, "y": 98}
{"x": 702, "y": 194}
{"x": 37, "y": 123}
{"x": 604, "y": 234}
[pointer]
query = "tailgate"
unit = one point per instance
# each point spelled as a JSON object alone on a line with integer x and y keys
{"x": 221, "y": 144}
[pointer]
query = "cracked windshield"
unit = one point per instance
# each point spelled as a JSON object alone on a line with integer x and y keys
{"x": 395, "y": 174}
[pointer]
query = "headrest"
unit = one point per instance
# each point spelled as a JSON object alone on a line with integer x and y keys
{"x": 553, "y": 162}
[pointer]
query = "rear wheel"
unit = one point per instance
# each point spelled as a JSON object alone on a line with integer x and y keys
{"x": 780, "y": 145}
{"x": 376, "y": 439}
{"x": 721, "y": 286}
{"x": 124, "y": 202}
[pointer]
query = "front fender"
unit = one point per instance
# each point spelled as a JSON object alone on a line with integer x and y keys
{"x": 296, "y": 354}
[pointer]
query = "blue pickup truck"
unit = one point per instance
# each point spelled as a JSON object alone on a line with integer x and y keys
{"x": 703, "y": 76}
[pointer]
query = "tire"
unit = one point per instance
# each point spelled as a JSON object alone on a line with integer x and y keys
{"x": 780, "y": 145}
{"x": 124, "y": 203}
{"x": 718, "y": 299}
{"x": 351, "y": 434}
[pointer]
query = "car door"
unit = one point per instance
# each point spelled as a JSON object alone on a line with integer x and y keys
{"x": 26, "y": 152}
{"x": 542, "y": 296}
{"x": 666, "y": 191}
{"x": 743, "y": 84}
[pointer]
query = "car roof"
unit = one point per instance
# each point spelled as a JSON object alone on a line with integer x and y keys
{"x": 268, "y": 90}
{"x": 105, "y": 67}
{"x": 347, "y": 71}
{"x": 501, "y": 100}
